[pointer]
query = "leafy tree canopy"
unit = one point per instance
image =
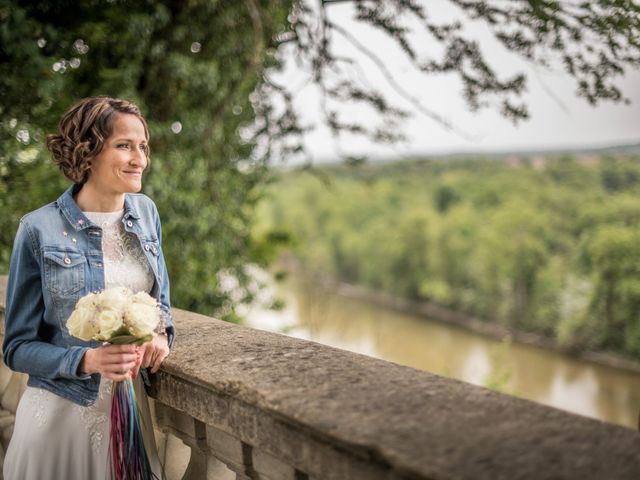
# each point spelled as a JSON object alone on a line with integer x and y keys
{"x": 200, "y": 71}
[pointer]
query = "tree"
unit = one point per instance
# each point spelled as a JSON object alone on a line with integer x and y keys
{"x": 191, "y": 67}
{"x": 201, "y": 72}
{"x": 592, "y": 42}
{"x": 612, "y": 257}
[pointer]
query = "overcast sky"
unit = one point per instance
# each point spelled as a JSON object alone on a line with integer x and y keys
{"x": 558, "y": 118}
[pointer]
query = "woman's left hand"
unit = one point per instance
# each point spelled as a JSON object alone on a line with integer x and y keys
{"x": 152, "y": 354}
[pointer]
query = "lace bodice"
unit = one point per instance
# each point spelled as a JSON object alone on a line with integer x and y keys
{"x": 124, "y": 262}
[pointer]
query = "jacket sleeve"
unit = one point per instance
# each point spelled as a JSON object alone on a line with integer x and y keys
{"x": 24, "y": 349}
{"x": 165, "y": 303}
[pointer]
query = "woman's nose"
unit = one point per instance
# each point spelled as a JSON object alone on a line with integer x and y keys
{"x": 138, "y": 158}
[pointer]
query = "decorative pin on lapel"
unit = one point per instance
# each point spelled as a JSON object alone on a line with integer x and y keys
{"x": 64, "y": 232}
{"x": 80, "y": 221}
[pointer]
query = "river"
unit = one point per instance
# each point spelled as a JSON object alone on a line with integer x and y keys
{"x": 529, "y": 372}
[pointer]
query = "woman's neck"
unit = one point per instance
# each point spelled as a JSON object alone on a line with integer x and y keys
{"x": 91, "y": 199}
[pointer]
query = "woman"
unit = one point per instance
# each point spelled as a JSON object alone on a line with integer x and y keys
{"x": 100, "y": 233}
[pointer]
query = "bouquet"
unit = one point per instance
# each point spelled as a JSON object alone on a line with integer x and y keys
{"x": 118, "y": 316}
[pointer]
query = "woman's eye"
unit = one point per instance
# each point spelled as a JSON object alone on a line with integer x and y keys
{"x": 126, "y": 145}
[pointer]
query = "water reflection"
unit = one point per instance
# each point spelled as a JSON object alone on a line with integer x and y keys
{"x": 529, "y": 372}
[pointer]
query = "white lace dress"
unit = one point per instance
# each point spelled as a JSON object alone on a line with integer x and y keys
{"x": 54, "y": 438}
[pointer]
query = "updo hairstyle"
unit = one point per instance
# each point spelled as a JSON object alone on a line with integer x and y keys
{"x": 83, "y": 130}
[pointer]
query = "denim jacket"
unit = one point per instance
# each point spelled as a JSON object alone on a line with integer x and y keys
{"x": 50, "y": 271}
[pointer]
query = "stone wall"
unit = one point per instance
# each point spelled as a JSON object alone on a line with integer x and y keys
{"x": 11, "y": 387}
{"x": 266, "y": 406}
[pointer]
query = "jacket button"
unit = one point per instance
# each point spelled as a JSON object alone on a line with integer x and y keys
{"x": 129, "y": 223}
{"x": 67, "y": 260}
{"x": 147, "y": 248}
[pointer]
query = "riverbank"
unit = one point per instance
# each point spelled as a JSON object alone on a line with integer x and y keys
{"x": 451, "y": 317}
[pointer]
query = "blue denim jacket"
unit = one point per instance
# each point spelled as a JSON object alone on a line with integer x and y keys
{"x": 49, "y": 273}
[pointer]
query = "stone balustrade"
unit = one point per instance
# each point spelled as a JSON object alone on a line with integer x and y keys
{"x": 235, "y": 402}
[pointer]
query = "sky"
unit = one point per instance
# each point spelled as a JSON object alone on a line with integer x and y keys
{"x": 559, "y": 119}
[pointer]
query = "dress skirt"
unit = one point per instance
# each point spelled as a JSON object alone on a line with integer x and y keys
{"x": 54, "y": 438}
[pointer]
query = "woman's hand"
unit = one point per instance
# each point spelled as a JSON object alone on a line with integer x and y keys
{"x": 152, "y": 354}
{"x": 114, "y": 362}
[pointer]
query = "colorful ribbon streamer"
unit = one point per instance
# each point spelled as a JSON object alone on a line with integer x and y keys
{"x": 127, "y": 454}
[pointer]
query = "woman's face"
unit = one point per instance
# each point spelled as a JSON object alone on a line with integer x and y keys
{"x": 118, "y": 167}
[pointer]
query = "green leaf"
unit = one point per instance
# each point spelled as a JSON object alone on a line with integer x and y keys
{"x": 129, "y": 340}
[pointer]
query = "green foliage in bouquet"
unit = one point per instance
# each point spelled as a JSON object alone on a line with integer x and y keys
{"x": 123, "y": 337}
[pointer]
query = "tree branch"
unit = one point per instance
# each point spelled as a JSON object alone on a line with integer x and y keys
{"x": 447, "y": 124}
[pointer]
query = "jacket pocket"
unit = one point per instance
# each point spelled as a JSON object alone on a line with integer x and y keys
{"x": 64, "y": 271}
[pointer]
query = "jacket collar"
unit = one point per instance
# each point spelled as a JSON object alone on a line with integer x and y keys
{"x": 74, "y": 215}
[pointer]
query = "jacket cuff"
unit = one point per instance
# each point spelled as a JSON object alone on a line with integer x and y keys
{"x": 71, "y": 364}
{"x": 171, "y": 334}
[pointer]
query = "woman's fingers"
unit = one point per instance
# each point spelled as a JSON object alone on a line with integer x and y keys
{"x": 117, "y": 361}
{"x": 113, "y": 349}
{"x": 117, "y": 353}
{"x": 136, "y": 368}
{"x": 117, "y": 377}
{"x": 119, "y": 358}
{"x": 157, "y": 360}
{"x": 162, "y": 351}
{"x": 120, "y": 362}
{"x": 119, "y": 367}
{"x": 149, "y": 350}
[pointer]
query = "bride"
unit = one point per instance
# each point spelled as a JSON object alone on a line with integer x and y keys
{"x": 98, "y": 234}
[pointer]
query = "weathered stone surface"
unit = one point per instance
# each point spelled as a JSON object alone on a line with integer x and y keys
{"x": 183, "y": 449}
{"x": 180, "y": 424}
{"x": 392, "y": 418}
{"x": 270, "y": 468}
{"x": 5, "y": 378}
{"x": 13, "y": 392}
{"x": 217, "y": 470}
{"x": 174, "y": 455}
{"x": 226, "y": 447}
{"x": 6, "y": 420}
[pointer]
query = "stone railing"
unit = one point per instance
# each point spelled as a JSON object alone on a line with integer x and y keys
{"x": 250, "y": 404}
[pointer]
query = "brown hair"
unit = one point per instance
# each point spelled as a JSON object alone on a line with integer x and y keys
{"x": 83, "y": 130}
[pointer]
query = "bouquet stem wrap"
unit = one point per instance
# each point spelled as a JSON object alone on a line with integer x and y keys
{"x": 127, "y": 454}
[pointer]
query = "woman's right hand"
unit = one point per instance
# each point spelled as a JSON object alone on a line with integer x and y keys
{"x": 114, "y": 362}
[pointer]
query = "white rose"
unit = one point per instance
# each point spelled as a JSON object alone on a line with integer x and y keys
{"x": 88, "y": 301}
{"x": 116, "y": 298}
{"x": 144, "y": 298}
{"x": 141, "y": 319}
{"x": 82, "y": 323}
{"x": 109, "y": 321}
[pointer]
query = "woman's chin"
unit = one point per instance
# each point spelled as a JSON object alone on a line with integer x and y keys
{"x": 134, "y": 187}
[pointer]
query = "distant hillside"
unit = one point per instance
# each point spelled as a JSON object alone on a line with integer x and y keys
{"x": 584, "y": 155}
